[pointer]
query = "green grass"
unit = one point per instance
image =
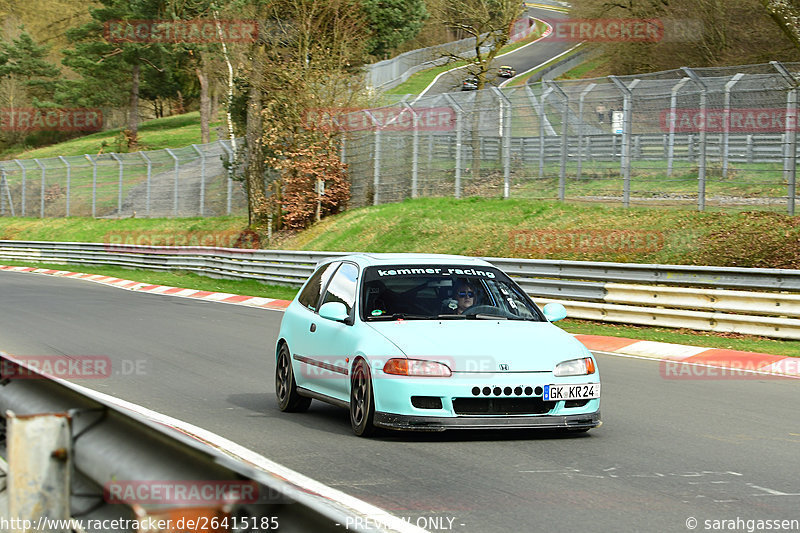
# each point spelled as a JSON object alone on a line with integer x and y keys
{"x": 168, "y": 132}
{"x": 419, "y": 81}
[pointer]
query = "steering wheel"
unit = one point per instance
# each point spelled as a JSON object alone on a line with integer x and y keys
{"x": 482, "y": 308}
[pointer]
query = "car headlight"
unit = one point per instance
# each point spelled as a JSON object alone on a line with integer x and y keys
{"x": 575, "y": 367}
{"x": 416, "y": 367}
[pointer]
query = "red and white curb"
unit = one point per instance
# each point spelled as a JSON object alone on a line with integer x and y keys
{"x": 138, "y": 286}
{"x": 734, "y": 362}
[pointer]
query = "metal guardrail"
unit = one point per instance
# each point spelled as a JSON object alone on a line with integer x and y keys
{"x": 727, "y": 298}
{"x": 88, "y": 444}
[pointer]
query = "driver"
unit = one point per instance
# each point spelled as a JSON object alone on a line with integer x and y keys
{"x": 464, "y": 294}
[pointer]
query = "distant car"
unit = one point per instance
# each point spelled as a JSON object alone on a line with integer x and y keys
{"x": 431, "y": 342}
{"x": 506, "y": 72}
{"x": 470, "y": 84}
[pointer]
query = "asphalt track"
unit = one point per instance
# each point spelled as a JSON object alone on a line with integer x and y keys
{"x": 521, "y": 59}
{"x": 669, "y": 450}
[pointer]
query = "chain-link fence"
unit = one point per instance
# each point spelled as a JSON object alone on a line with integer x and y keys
{"x": 189, "y": 181}
{"x": 710, "y": 137}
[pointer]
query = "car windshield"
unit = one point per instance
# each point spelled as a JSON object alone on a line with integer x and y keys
{"x": 435, "y": 292}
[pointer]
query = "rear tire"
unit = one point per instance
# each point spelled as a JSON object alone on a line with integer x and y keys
{"x": 362, "y": 405}
{"x": 289, "y": 400}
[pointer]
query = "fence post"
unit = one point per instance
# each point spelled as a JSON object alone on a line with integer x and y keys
{"x": 542, "y": 100}
{"x": 627, "y": 109}
{"x": 202, "y": 178}
{"x": 229, "y": 153}
{"x": 175, "y": 185}
{"x": 790, "y": 153}
{"x": 3, "y": 184}
{"x": 562, "y": 169}
{"x": 22, "y": 193}
{"x": 44, "y": 173}
{"x": 147, "y": 186}
{"x": 69, "y": 175}
{"x": 505, "y": 136}
{"x": 673, "y": 101}
{"x": 94, "y": 184}
{"x": 414, "y": 150}
{"x": 459, "y": 122}
{"x": 701, "y": 173}
{"x": 116, "y": 158}
{"x": 376, "y": 160}
{"x": 726, "y": 122}
{"x": 584, "y": 92}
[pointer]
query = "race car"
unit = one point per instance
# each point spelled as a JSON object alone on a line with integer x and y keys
{"x": 506, "y": 71}
{"x": 431, "y": 342}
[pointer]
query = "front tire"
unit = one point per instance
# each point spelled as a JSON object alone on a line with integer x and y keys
{"x": 289, "y": 400}
{"x": 362, "y": 405}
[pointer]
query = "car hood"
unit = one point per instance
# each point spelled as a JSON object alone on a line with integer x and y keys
{"x": 483, "y": 345}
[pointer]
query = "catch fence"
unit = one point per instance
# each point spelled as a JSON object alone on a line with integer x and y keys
{"x": 711, "y": 137}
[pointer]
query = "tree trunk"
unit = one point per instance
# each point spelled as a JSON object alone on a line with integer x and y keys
{"x": 133, "y": 115}
{"x": 254, "y": 174}
{"x": 205, "y": 107}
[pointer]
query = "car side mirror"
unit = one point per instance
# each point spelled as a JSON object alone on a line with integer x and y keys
{"x": 334, "y": 311}
{"x": 554, "y": 311}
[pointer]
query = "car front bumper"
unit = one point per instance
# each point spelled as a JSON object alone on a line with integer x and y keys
{"x": 435, "y": 423}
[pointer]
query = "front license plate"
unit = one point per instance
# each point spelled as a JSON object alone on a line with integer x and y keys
{"x": 586, "y": 391}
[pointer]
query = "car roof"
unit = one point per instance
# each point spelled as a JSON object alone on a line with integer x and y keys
{"x": 387, "y": 259}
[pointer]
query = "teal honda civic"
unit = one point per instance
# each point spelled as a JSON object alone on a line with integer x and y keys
{"x": 431, "y": 342}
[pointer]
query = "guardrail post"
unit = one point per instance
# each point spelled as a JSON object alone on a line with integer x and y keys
{"x": 202, "y": 178}
{"x": 94, "y": 184}
{"x": 147, "y": 186}
{"x": 116, "y": 158}
{"x": 39, "y": 466}
{"x": 701, "y": 173}
{"x": 726, "y": 122}
{"x": 69, "y": 175}
{"x": 44, "y": 173}
{"x": 562, "y": 170}
{"x": 673, "y": 101}
{"x": 414, "y": 150}
{"x": 22, "y": 193}
{"x": 584, "y": 92}
{"x": 790, "y": 153}
{"x": 627, "y": 111}
{"x": 230, "y": 154}
{"x": 505, "y": 135}
{"x": 175, "y": 186}
{"x": 459, "y": 142}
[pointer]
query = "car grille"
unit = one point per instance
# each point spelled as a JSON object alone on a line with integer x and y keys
{"x": 501, "y": 406}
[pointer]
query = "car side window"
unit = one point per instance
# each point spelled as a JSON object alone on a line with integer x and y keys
{"x": 316, "y": 284}
{"x": 342, "y": 287}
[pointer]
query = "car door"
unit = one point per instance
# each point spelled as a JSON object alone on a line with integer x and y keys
{"x": 333, "y": 341}
{"x": 300, "y": 321}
